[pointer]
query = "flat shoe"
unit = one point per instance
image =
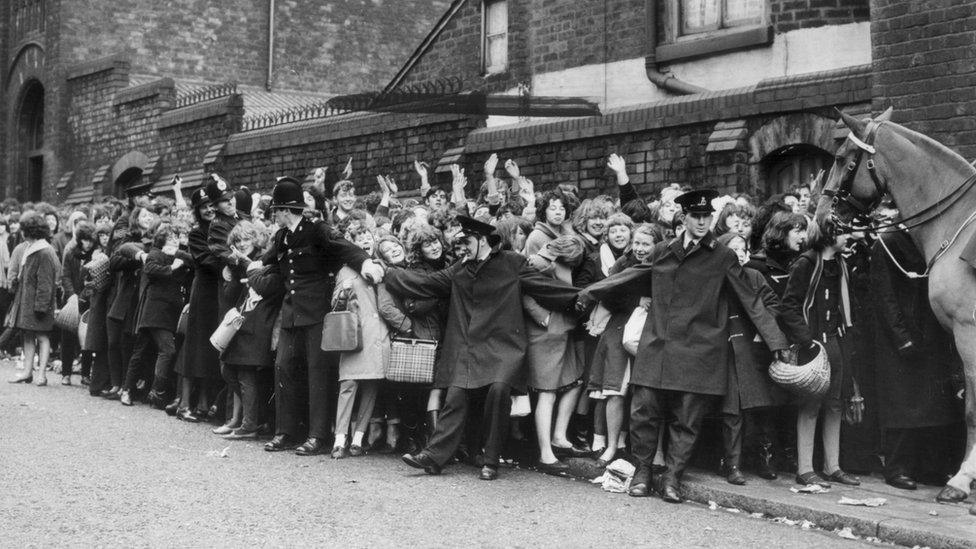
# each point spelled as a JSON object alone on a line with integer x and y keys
{"x": 806, "y": 479}
{"x": 239, "y": 434}
{"x": 222, "y": 430}
{"x": 311, "y": 447}
{"x": 950, "y": 494}
{"x": 902, "y": 482}
{"x": 488, "y": 473}
{"x": 844, "y": 478}
{"x": 27, "y": 379}
{"x": 41, "y": 382}
{"x": 65, "y": 380}
{"x": 422, "y": 461}
{"x": 356, "y": 450}
{"x": 184, "y": 414}
{"x": 569, "y": 451}
{"x": 556, "y": 468}
{"x": 639, "y": 490}
{"x": 340, "y": 452}
{"x": 280, "y": 443}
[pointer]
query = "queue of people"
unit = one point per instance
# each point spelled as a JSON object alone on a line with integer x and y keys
{"x": 627, "y": 326}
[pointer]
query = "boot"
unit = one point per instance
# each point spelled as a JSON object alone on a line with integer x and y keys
{"x": 431, "y": 425}
{"x": 764, "y": 464}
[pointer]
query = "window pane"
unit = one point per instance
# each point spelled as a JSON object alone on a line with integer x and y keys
{"x": 496, "y": 53}
{"x": 743, "y": 12}
{"x": 496, "y": 17}
{"x": 699, "y": 15}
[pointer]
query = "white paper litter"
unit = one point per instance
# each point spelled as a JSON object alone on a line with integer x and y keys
{"x": 617, "y": 477}
{"x": 806, "y": 524}
{"x": 845, "y": 533}
{"x": 866, "y": 502}
{"x": 810, "y": 489}
{"x": 221, "y": 454}
{"x": 712, "y": 505}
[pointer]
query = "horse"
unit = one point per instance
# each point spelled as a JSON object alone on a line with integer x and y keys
{"x": 933, "y": 189}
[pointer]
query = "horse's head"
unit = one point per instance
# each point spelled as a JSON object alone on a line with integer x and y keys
{"x": 853, "y": 187}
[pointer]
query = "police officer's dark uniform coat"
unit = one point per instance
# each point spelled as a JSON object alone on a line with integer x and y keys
{"x": 307, "y": 260}
{"x": 684, "y": 346}
{"x": 485, "y": 339}
{"x": 198, "y": 358}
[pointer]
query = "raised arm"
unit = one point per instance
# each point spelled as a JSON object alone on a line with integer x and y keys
{"x": 619, "y": 167}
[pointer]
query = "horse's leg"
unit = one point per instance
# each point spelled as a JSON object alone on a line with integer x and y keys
{"x": 958, "y": 486}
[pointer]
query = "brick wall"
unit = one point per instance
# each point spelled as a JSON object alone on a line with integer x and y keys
{"x": 788, "y": 15}
{"x": 341, "y": 46}
{"x": 377, "y": 143}
{"x": 559, "y": 34}
{"x": 925, "y": 67}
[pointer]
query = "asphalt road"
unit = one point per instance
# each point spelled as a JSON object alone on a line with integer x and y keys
{"x": 84, "y": 471}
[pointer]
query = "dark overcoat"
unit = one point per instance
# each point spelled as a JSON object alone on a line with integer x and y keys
{"x": 485, "y": 339}
{"x": 251, "y": 347}
{"x": 37, "y": 292}
{"x": 162, "y": 290}
{"x": 219, "y": 230}
{"x": 749, "y": 383}
{"x": 307, "y": 260}
{"x": 198, "y": 358}
{"x": 96, "y": 338}
{"x": 684, "y": 346}
{"x": 913, "y": 387}
{"x": 127, "y": 270}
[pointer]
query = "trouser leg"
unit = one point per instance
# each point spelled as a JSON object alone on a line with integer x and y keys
{"x": 69, "y": 350}
{"x": 689, "y": 411}
{"x": 100, "y": 379}
{"x": 248, "y": 380}
{"x": 646, "y": 418}
{"x": 165, "y": 342}
{"x": 290, "y": 406}
{"x": 368, "y": 391}
{"x": 450, "y": 426}
{"x": 141, "y": 354}
{"x": 900, "y": 450}
{"x": 116, "y": 360}
{"x": 498, "y": 410}
{"x": 732, "y": 438}
{"x": 319, "y": 390}
{"x": 344, "y": 405}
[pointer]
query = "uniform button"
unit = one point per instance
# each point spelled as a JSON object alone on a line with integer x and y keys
{"x": 292, "y": 271}
{"x": 292, "y": 281}
{"x": 293, "y": 291}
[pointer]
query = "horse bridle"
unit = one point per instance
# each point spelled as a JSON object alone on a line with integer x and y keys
{"x": 843, "y": 192}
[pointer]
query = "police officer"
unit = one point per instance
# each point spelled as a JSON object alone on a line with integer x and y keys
{"x": 681, "y": 365}
{"x": 306, "y": 253}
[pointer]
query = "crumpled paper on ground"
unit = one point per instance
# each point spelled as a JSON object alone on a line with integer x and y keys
{"x": 846, "y": 533}
{"x": 617, "y": 477}
{"x": 867, "y": 502}
{"x": 221, "y": 454}
{"x": 810, "y": 489}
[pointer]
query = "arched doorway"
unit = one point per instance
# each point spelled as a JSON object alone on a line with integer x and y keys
{"x": 128, "y": 181}
{"x": 30, "y": 141}
{"x": 793, "y": 165}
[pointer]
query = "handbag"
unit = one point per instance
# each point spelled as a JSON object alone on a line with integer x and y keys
{"x": 98, "y": 272}
{"x": 521, "y": 406}
{"x": 67, "y": 317}
{"x": 811, "y": 379}
{"x": 341, "y": 330}
{"x": 633, "y": 330}
{"x": 181, "y": 324}
{"x": 83, "y": 330}
{"x": 412, "y": 360}
{"x": 227, "y": 329}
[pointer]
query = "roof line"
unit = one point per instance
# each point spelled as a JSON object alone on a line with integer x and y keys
{"x": 425, "y": 45}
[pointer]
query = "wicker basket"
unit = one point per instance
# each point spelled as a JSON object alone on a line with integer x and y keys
{"x": 67, "y": 317}
{"x": 98, "y": 272}
{"x": 811, "y": 379}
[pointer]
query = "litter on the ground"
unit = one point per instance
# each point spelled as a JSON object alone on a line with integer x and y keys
{"x": 221, "y": 454}
{"x": 809, "y": 489}
{"x": 806, "y": 524}
{"x": 712, "y": 505}
{"x": 845, "y": 533}
{"x": 934, "y": 513}
{"x": 866, "y": 502}
{"x": 617, "y": 477}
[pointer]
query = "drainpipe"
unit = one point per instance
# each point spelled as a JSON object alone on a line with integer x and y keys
{"x": 271, "y": 26}
{"x": 667, "y": 82}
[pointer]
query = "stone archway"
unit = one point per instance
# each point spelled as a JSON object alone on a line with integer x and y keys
{"x": 127, "y": 173}
{"x": 29, "y": 142}
{"x": 788, "y": 147}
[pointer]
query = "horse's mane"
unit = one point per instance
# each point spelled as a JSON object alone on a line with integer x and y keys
{"x": 930, "y": 146}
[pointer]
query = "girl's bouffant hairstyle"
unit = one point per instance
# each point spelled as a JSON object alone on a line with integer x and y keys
{"x": 34, "y": 226}
{"x": 416, "y": 240}
{"x": 548, "y": 197}
{"x": 84, "y": 230}
{"x": 246, "y": 229}
{"x": 387, "y": 238}
{"x": 590, "y": 209}
{"x": 620, "y": 219}
{"x": 163, "y": 233}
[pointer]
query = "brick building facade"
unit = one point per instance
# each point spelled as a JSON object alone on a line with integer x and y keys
{"x": 736, "y": 94}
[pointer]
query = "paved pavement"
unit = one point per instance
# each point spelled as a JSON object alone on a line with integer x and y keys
{"x": 84, "y": 471}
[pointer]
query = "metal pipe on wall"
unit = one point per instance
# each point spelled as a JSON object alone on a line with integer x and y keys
{"x": 271, "y": 26}
{"x": 664, "y": 81}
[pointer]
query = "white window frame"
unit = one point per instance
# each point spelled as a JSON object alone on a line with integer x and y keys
{"x": 496, "y": 69}
{"x": 679, "y": 26}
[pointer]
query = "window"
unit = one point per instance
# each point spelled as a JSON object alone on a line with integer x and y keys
{"x": 698, "y": 16}
{"x": 495, "y": 30}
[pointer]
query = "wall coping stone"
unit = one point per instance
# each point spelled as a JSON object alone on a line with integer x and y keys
{"x": 118, "y": 61}
{"x": 332, "y": 128}
{"x": 221, "y": 106}
{"x": 163, "y": 86}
